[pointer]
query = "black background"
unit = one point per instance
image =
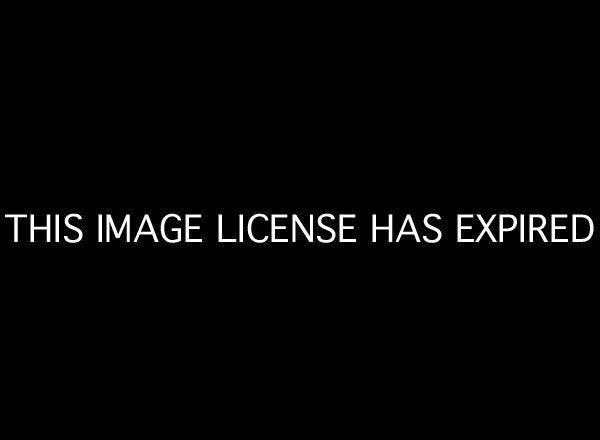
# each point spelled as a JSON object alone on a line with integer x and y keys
{"x": 386, "y": 112}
